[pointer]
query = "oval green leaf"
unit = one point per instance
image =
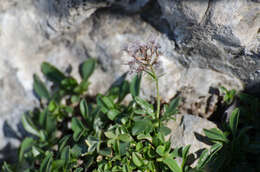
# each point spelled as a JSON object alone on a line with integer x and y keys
{"x": 148, "y": 108}
{"x": 25, "y": 145}
{"x": 112, "y": 114}
{"x": 136, "y": 159}
{"x": 39, "y": 88}
{"x": 172, "y": 164}
{"x": 52, "y": 73}
{"x": 87, "y": 68}
{"x": 29, "y": 126}
{"x": 216, "y": 135}
{"x": 135, "y": 85}
{"x": 84, "y": 108}
{"x": 233, "y": 121}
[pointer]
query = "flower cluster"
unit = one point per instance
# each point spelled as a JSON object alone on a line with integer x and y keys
{"x": 144, "y": 56}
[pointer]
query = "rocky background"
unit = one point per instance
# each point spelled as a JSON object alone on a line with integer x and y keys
{"x": 205, "y": 44}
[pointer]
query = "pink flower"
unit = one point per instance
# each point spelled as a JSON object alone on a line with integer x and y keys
{"x": 144, "y": 56}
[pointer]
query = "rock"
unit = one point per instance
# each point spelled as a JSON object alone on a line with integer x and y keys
{"x": 244, "y": 23}
{"x": 188, "y": 129}
{"x": 129, "y": 6}
{"x": 14, "y": 102}
{"x": 219, "y": 40}
{"x": 226, "y": 22}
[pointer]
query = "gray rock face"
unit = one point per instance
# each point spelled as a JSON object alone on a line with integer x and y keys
{"x": 188, "y": 129}
{"x": 204, "y": 44}
{"x": 222, "y": 35}
{"x": 227, "y": 22}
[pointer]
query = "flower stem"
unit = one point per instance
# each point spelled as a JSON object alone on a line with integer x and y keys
{"x": 157, "y": 94}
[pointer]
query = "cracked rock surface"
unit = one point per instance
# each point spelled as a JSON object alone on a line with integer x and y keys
{"x": 188, "y": 129}
{"x": 204, "y": 44}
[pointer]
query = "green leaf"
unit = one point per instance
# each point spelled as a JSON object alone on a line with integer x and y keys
{"x": 185, "y": 151}
{"x": 125, "y": 168}
{"x": 75, "y": 99}
{"x": 135, "y": 85}
{"x": 29, "y": 126}
{"x": 57, "y": 164}
{"x": 43, "y": 116}
{"x": 87, "y": 68}
{"x": 84, "y": 109}
{"x": 123, "y": 90}
{"x": 145, "y": 105}
{"x": 112, "y": 114}
{"x": 125, "y": 138}
{"x": 52, "y": 106}
{"x": 142, "y": 126}
{"x": 138, "y": 146}
{"x": 151, "y": 74}
{"x": 36, "y": 151}
{"x": 233, "y": 122}
{"x": 160, "y": 150}
{"x": 216, "y": 135}
{"x": 78, "y": 128}
{"x": 77, "y": 150}
{"x": 76, "y": 124}
{"x": 172, "y": 108}
{"x": 106, "y": 152}
{"x": 65, "y": 154}
{"x": 6, "y": 167}
{"x": 25, "y": 145}
{"x": 116, "y": 168}
{"x": 78, "y": 170}
{"x": 62, "y": 142}
{"x": 108, "y": 102}
{"x": 172, "y": 164}
{"x": 207, "y": 155}
{"x": 52, "y": 73}
{"x": 69, "y": 83}
{"x": 144, "y": 137}
{"x": 175, "y": 152}
{"x": 223, "y": 89}
{"x": 110, "y": 134}
{"x": 122, "y": 147}
{"x": 203, "y": 159}
{"x": 50, "y": 125}
{"x": 89, "y": 161}
{"x": 113, "y": 92}
{"x": 101, "y": 104}
{"x": 58, "y": 95}
{"x": 68, "y": 109}
{"x": 39, "y": 88}
{"x": 92, "y": 143}
{"x": 139, "y": 111}
{"x": 82, "y": 87}
{"x": 137, "y": 160}
{"x": 165, "y": 130}
{"x": 46, "y": 164}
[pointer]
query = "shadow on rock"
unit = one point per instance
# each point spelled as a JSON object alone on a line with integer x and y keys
{"x": 10, "y": 153}
{"x": 202, "y": 138}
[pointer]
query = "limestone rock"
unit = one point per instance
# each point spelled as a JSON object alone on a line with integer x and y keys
{"x": 188, "y": 129}
{"x": 219, "y": 35}
{"x": 227, "y": 22}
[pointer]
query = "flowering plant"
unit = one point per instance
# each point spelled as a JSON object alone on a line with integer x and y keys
{"x": 75, "y": 133}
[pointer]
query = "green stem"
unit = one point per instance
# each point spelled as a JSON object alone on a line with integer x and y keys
{"x": 157, "y": 93}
